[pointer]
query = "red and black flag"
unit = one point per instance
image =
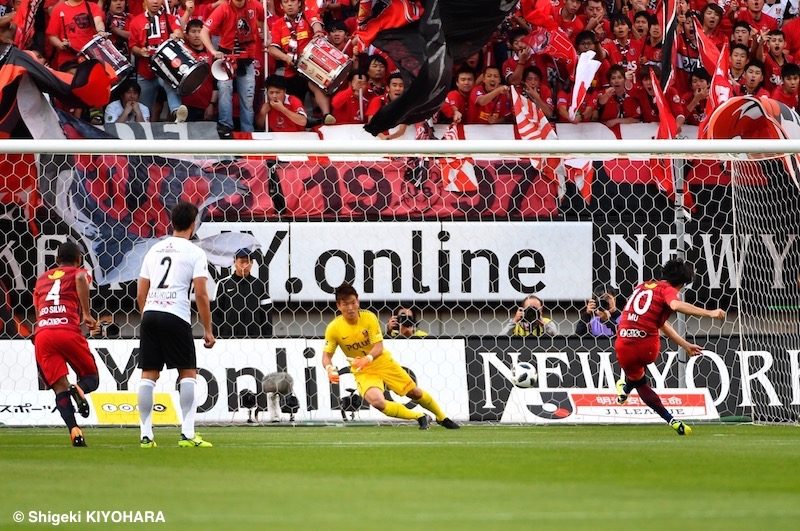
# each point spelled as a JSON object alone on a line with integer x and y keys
{"x": 448, "y": 32}
{"x": 89, "y": 86}
{"x": 667, "y": 15}
{"x": 119, "y": 204}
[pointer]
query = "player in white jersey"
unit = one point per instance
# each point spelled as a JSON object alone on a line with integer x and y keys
{"x": 170, "y": 270}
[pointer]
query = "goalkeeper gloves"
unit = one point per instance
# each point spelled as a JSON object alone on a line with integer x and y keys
{"x": 333, "y": 374}
{"x": 360, "y": 363}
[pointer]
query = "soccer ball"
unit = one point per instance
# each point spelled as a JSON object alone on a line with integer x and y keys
{"x": 524, "y": 375}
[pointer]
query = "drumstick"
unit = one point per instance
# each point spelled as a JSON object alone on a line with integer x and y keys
{"x": 361, "y": 104}
{"x": 64, "y": 28}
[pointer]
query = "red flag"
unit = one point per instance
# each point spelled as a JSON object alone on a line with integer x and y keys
{"x": 531, "y": 122}
{"x": 721, "y": 89}
{"x": 554, "y": 43}
{"x": 458, "y": 174}
{"x": 709, "y": 54}
{"x": 662, "y": 169}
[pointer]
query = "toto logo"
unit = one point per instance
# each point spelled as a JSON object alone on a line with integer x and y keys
{"x": 129, "y": 408}
{"x": 631, "y": 332}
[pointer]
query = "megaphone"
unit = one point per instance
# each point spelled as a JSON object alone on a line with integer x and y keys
{"x": 222, "y": 70}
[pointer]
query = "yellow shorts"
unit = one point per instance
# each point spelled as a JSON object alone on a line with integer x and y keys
{"x": 384, "y": 372}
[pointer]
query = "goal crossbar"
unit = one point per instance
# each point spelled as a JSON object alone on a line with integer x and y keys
{"x": 711, "y": 149}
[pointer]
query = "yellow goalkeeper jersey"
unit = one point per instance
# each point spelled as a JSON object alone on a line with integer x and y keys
{"x": 354, "y": 340}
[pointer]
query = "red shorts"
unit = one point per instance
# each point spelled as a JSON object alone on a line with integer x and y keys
{"x": 634, "y": 355}
{"x": 56, "y": 348}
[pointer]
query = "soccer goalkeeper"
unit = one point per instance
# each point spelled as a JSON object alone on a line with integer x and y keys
{"x": 358, "y": 333}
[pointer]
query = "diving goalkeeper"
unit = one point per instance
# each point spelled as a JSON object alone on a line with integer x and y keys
{"x": 358, "y": 333}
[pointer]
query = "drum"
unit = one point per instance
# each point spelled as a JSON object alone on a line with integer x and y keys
{"x": 105, "y": 52}
{"x": 174, "y": 63}
{"x": 324, "y": 65}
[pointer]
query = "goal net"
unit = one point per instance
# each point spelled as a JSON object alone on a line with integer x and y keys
{"x": 446, "y": 238}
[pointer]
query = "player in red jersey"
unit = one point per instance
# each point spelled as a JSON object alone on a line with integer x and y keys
{"x": 637, "y": 344}
{"x": 61, "y": 298}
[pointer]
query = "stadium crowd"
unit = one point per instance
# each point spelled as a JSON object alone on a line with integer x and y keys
{"x": 267, "y": 87}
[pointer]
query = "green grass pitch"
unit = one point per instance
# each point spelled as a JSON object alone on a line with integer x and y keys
{"x": 396, "y": 477}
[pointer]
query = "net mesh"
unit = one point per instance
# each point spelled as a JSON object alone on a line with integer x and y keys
{"x": 457, "y": 243}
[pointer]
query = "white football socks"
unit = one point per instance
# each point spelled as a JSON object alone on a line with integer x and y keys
{"x": 145, "y": 401}
{"x": 186, "y": 389}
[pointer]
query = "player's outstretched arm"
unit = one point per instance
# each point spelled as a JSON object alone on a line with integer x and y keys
{"x": 204, "y": 310}
{"x": 690, "y": 348}
{"x": 691, "y": 309}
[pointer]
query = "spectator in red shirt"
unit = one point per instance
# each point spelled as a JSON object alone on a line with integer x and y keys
{"x": 148, "y": 31}
{"x": 787, "y": 91}
{"x": 202, "y": 103}
{"x": 351, "y": 102}
{"x": 489, "y": 102}
{"x": 538, "y": 92}
{"x": 376, "y": 76}
{"x": 641, "y": 26}
{"x": 73, "y": 23}
{"x": 567, "y": 18}
{"x": 395, "y": 90}
{"x": 616, "y": 105}
{"x": 282, "y": 112}
{"x": 337, "y": 35}
{"x": 694, "y": 101}
{"x": 290, "y": 35}
{"x": 521, "y": 57}
{"x": 622, "y": 50}
{"x": 753, "y": 15}
{"x": 239, "y": 24}
{"x": 738, "y": 60}
{"x": 741, "y": 34}
{"x": 774, "y": 58}
{"x": 456, "y": 104}
{"x": 754, "y": 80}
{"x": 644, "y": 92}
{"x": 710, "y": 18}
{"x": 596, "y": 21}
{"x": 651, "y": 47}
{"x": 586, "y": 41}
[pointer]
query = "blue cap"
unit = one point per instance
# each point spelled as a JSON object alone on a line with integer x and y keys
{"x": 243, "y": 253}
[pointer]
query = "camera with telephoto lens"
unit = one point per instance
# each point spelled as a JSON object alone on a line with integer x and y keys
{"x": 531, "y": 314}
{"x": 406, "y": 320}
{"x": 600, "y": 303}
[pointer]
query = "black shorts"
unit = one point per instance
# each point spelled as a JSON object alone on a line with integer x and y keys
{"x": 166, "y": 339}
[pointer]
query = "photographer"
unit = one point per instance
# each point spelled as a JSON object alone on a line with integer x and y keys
{"x": 403, "y": 323}
{"x": 600, "y": 316}
{"x": 529, "y": 321}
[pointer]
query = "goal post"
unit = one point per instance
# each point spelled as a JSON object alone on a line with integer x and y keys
{"x": 459, "y": 232}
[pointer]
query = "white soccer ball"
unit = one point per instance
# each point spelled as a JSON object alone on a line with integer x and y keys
{"x": 524, "y": 375}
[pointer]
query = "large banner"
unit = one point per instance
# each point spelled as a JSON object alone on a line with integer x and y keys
{"x": 470, "y": 378}
{"x": 423, "y": 261}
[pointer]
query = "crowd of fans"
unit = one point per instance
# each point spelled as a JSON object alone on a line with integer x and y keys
{"x": 266, "y": 89}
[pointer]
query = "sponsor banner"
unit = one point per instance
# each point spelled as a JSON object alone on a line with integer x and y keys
{"x": 471, "y": 379}
{"x": 119, "y": 408}
{"x": 767, "y": 372}
{"x": 423, "y": 261}
{"x": 231, "y": 368}
{"x": 532, "y": 406}
{"x": 28, "y": 407}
